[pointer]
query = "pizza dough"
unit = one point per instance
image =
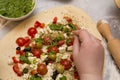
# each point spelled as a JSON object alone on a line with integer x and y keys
{"x": 7, "y": 44}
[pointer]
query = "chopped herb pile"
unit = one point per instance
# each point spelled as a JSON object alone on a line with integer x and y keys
{"x": 15, "y": 8}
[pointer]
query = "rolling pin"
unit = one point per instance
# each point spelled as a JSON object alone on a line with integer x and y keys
{"x": 113, "y": 43}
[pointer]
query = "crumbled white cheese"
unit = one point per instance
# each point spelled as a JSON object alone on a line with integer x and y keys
{"x": 70, "y": 48}
{"x": 33, "y": 66}
{"x": 40, "y": 30}
{"x": 65, "y": 35}
{"x": 44, "y": 49}
{"x": 66, "y": 56}
{"x": 31, "y": 59}
{"x": 10, "y": 62}
{"x": 30, "y": 54}
{"x": 25, "y": 76}
{"x": 62, "y": 48}
{"x": 34, "y": 61}
{"x": 59, "y": 76}
{"x": 24, "y": 66}
{"x": 43, "y": 57}
{"x": 69, "y": 75}
{"x": 59, "y": 56}
{"x": 37, "y": 35}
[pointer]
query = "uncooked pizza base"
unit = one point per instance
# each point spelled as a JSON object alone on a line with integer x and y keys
{"x": 7, "y": 44}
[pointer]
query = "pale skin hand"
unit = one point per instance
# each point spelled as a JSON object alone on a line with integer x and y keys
{"x": 88, "y": 54}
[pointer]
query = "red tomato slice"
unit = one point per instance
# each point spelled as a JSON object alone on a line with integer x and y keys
{"x": 17, "y": 70}
{"x": 60, "y": 43}
{"x": 55, "y": 20}
{"x": 68, "y": 19}
{"x": 32, "y": 31}
{"x": 27, "y": 39}
{"x": 20, "y": 41}
{"x": 66, "y": 63}
{"x": 15, "y": 60}
{"x": 53, "y": 49}
{"x": 47, "y": 40}
{"x": 20, "y": 52}
{"x": 76, "y": 75}
{"x": 42, "y": 25}
{"x": 37, "y": 24}
{"x": 37, "y": 52}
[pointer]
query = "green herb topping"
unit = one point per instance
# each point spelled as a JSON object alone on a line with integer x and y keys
{"x": 15, "y": 8}
{"x": 24, "y": 59}
{"x": 57, "y": 26}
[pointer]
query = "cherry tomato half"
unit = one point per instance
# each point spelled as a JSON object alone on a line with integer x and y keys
{"x": 32, "y": 31}
{"x": 15, "y": 60}
{"x": 55, "y": 20}
{"x": 53, "y": 49}
{"x": 47, "y": 40}
{"x": 17, "y": 70}
{"x": 42, "y": 25}
{"x": 68, "y": 19}
{"x": 20, "y": 41}
{"x": 60, "y": 43}
{"x": 66, "y": 63}
{"x": 42, "y": 69}
{"x": 37, "y": 52}
{"x": 38, "y": 24}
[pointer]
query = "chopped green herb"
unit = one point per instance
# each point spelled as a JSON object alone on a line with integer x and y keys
{"x": 38, "y": 40}
{"x": 57, "y": 27}
{"x": 68, "y": 41}
{"x": 63, "y": 78}
{"x": 54, "y": 43}
{"x": 35, "y": 78}
{"x": 72, "y": 26}
{"x": 60, "y": 37}
{"x": 15, "y": 8}
{"x": 66, "y": 30}
{"x": 24, "y": 59}
{"x": 34, "y": 61}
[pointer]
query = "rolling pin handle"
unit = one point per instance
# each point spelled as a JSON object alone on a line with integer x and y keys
{"x": 104, "y": 28}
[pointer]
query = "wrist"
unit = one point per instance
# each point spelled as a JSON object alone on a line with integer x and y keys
{"x": 91, "y": 77}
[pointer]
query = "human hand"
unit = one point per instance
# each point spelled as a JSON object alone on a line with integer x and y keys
{"x": 88, "y": 55}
